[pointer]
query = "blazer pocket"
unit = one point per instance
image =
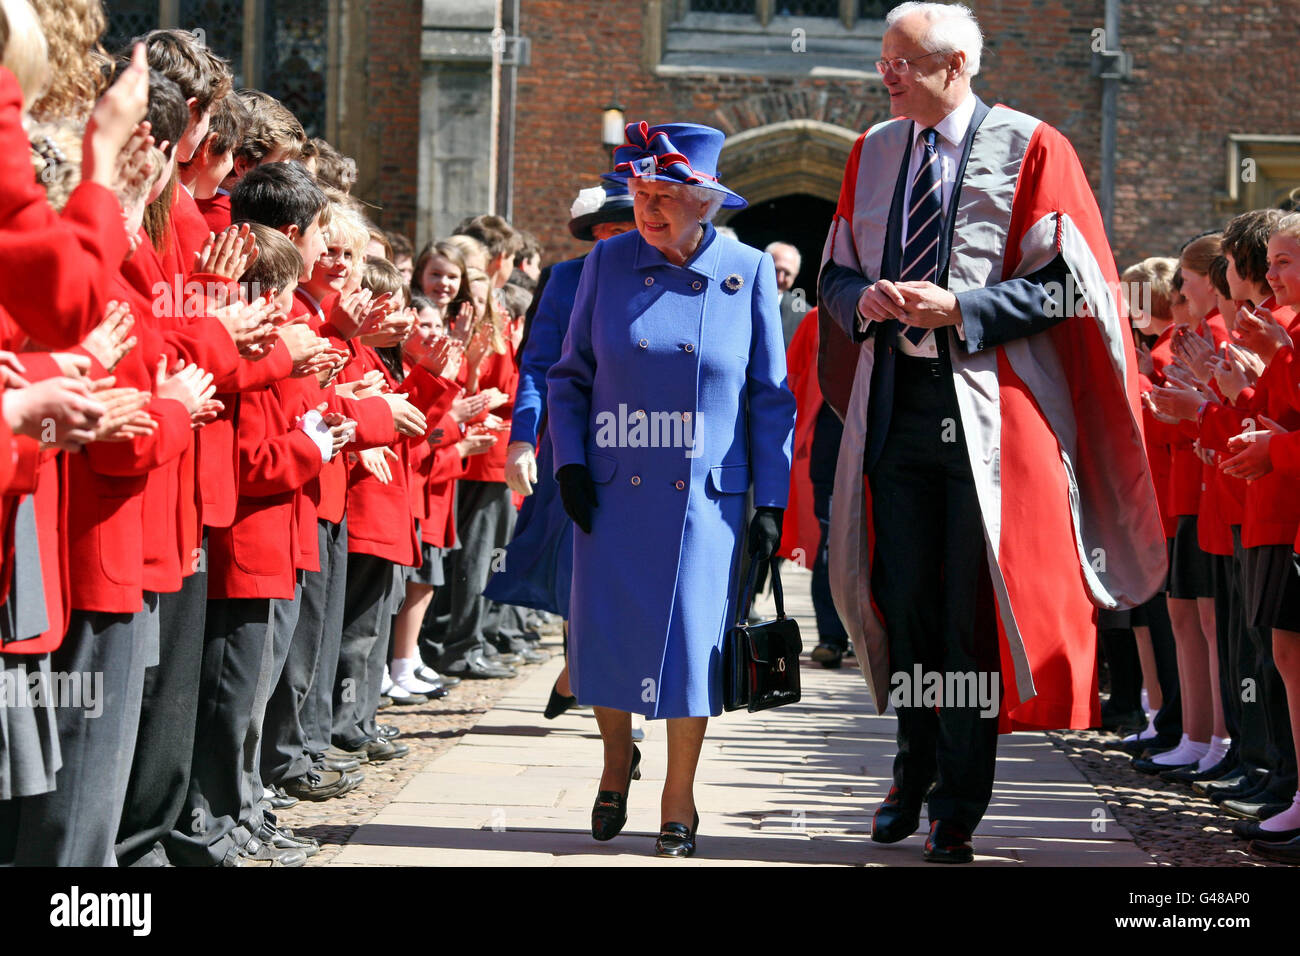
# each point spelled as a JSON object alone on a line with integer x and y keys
{"x": 729, "y": 479}
{"x": 119, "y": 555}
{"x": 601, "y": 467}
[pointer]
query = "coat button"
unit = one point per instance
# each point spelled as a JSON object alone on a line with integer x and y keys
{"x": 696, "y": 285}
{"x": 636, "y": 479}
{"x": 679, "y": 485}
{"x": 690, "y": 347}
{"x": 644, "y": 344}
{"x": 649, "y": 280}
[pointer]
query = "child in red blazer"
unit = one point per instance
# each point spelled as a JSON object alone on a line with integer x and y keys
{"x": 251, "y": 576}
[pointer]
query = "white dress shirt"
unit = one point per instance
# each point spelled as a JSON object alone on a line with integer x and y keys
{"x": 949, "y": 141}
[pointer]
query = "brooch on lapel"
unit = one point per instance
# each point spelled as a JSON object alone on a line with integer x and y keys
{"x": 733, "y": 282}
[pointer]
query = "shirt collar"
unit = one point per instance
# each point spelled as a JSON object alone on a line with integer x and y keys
{"x": 704, "y": 261}
{"x": 955, "y": 125}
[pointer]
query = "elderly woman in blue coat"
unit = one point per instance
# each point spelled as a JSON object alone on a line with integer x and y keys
{"x": 668, "y": 401}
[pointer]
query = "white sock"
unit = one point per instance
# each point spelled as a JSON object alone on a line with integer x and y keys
{"x": 1146, "y": 702}
{"x": 404, "y": 674}
{"x": 1188, "y": 751}
{"x": 1218, "y": 750}
{"x": 387, "y": 685}
{"x": 1288, "y": 819}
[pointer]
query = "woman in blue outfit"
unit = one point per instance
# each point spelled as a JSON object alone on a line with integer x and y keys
{"x": 668, "y": 401}
{"x": 537, "y": 570}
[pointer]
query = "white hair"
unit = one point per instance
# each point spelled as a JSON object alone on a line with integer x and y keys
{"x": 774, "y": 247}
{"x": 953, "y": 28}
{"x": 713, "y": 197}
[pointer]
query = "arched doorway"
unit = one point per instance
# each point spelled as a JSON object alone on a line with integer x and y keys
{"x": 790, "y": 172}
{"x": 800, "y": 219}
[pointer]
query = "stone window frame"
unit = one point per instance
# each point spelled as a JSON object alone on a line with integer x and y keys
{"x": 693, "y": 43}
{"x": 1274, "y": 157}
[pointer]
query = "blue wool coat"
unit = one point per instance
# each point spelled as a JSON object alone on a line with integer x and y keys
{"x": 538, "y": 568}
{"x": 672, "y": 391}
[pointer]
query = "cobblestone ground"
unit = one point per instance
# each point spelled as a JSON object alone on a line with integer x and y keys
{"x": 429, "y": 730}
{"x": 1175, "y": 824}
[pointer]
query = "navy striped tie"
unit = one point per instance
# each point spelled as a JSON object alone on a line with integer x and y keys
{"x": 924, "y": 227}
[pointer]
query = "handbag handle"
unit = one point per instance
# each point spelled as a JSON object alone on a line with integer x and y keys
{"x": 747, "y": 593}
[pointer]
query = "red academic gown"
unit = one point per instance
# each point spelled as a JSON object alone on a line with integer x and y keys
{"x": 801, "y": 532}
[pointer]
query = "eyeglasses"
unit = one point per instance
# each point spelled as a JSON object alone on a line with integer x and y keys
{"x": 901, "y": 65}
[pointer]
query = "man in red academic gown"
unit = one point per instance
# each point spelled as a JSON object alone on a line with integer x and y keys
{"x": 997, "y": 514}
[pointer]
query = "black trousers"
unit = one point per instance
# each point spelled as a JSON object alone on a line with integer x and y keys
{"x": 164, "y": 750}
{"x": 485, "y": 519}
{"x": 218, "y": 807}
{"x": 1169, "y": 718}
{"x": 1121, "y": 656}
{"x": 932, "y": 584}
{"x": 76, "y": 824}
{"x": 830, "y": 629}
{"x": 367, "y": 617}
{"x": 1242, "y": 673}
{"x": 325, "y": 601}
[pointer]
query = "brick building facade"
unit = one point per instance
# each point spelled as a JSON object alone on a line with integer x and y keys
{"x": 1207, "y": 124}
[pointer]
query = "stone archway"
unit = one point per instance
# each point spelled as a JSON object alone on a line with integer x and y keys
{"x": 793, "y": 156}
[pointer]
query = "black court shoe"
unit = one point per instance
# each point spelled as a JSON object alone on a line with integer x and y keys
{"x": 610, "y": 810}
{"x": 558, "y": 704}
{"x": 675, "y": 840}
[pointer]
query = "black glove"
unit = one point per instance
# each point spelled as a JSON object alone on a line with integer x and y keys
{"x": 765, "y": 532}
{"x": 578, "y": 494}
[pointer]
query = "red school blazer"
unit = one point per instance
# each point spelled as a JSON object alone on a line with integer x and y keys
{"x": 256, "y": 556}
{"x": 66, "y": 257}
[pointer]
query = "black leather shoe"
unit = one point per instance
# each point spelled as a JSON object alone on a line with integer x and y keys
{"x": 1244, "y": 790}
{"x": 1147, "y": 747}
{"x": 475, "y": 666}
{"x": 376, "y": 749}
{"x": 387, "y": 731}
{"x": 424, "y": 672}
{"x": 1145, "y": 765}
{"x": 338, "y": 764}
{"x": 1189, "y": 775}
{"x": 558, "y": 704}
{"x": 827, "y": 655}
{"x": 334, "y": 753}
{"x": 676, "y": 840}
{"x": 1259, "y": 809}
{"x": 896, "y": 819}
{"x": 1251, "y": 830}
{"x": 948, "y": 843}
{"x": 1123, "y": 724}
{"x": 1288, "y": 852}
{"x": 1235, "y": 776}
{"x": 610, "y": 810}
{"x": 281, "y": 800}
{"x": 316, "y": 785}
{"x": 282, "y": 838}
{"x": 257, "y": 853}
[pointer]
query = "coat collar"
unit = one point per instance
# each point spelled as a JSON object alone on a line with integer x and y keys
{"x": 704, "y": 262}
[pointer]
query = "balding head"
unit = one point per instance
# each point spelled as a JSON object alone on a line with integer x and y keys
{"x": 788, "y": 261}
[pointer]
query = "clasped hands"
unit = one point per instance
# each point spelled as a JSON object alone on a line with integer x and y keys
{"x": 921, "y": 304}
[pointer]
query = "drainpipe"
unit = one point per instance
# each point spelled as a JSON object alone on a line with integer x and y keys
{"x": 1112, "y": 65}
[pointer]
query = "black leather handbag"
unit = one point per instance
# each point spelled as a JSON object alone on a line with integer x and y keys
{"x": 760, "y": 662}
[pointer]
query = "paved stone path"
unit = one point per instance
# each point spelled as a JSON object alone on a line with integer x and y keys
{"x": 792, "y": 786}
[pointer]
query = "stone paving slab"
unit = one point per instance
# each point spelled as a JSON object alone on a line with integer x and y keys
{"x": 791, "y": 786}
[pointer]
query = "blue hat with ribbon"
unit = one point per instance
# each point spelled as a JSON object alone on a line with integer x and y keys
{"x": 685, "y": 153}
